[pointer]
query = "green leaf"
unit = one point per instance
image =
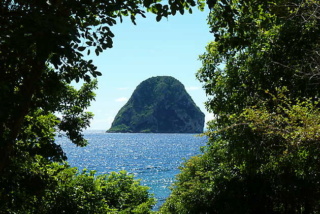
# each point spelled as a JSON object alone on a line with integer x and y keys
{"x": 81, "y": 48}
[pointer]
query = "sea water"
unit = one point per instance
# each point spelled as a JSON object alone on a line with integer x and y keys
{"x": 153, "y": 158}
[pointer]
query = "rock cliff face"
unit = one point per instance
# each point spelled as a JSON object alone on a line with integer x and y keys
{"x": 159, "y": 105}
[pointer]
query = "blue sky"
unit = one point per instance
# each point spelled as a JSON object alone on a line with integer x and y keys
{"x": 167, "y": 48}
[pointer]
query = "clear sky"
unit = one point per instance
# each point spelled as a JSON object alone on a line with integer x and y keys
{"x": 167, "y": 48}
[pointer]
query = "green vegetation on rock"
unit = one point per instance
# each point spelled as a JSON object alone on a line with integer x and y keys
{"x": 159, "y": 105}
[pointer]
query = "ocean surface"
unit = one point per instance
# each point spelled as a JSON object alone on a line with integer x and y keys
{"x": 153, "y": 158}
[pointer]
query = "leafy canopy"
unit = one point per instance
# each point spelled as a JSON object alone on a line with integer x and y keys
{"x": 261, "y": 74}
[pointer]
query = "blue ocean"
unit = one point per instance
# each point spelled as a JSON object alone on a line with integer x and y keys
{"x": 153, "y": 158}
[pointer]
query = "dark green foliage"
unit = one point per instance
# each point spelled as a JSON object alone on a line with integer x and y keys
{"x": 26, "y": 177}
{"x": 87, "y": 193}
{"x": 161, "y": 105}
{"x": 266, "y": 163}
{"x": 261, "y": 72}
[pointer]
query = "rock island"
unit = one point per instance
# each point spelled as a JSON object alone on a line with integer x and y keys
{"x": 159, "y": 105}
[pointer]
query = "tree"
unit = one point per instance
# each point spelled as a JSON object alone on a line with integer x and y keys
{"x": 273, "y": 170}
{"x": 42, "y": 49}
{"x": 262, "y": 154}
{"x": 86, "y": 193}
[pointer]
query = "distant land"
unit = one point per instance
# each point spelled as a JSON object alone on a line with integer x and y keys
{"x": 159, "y": 105}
